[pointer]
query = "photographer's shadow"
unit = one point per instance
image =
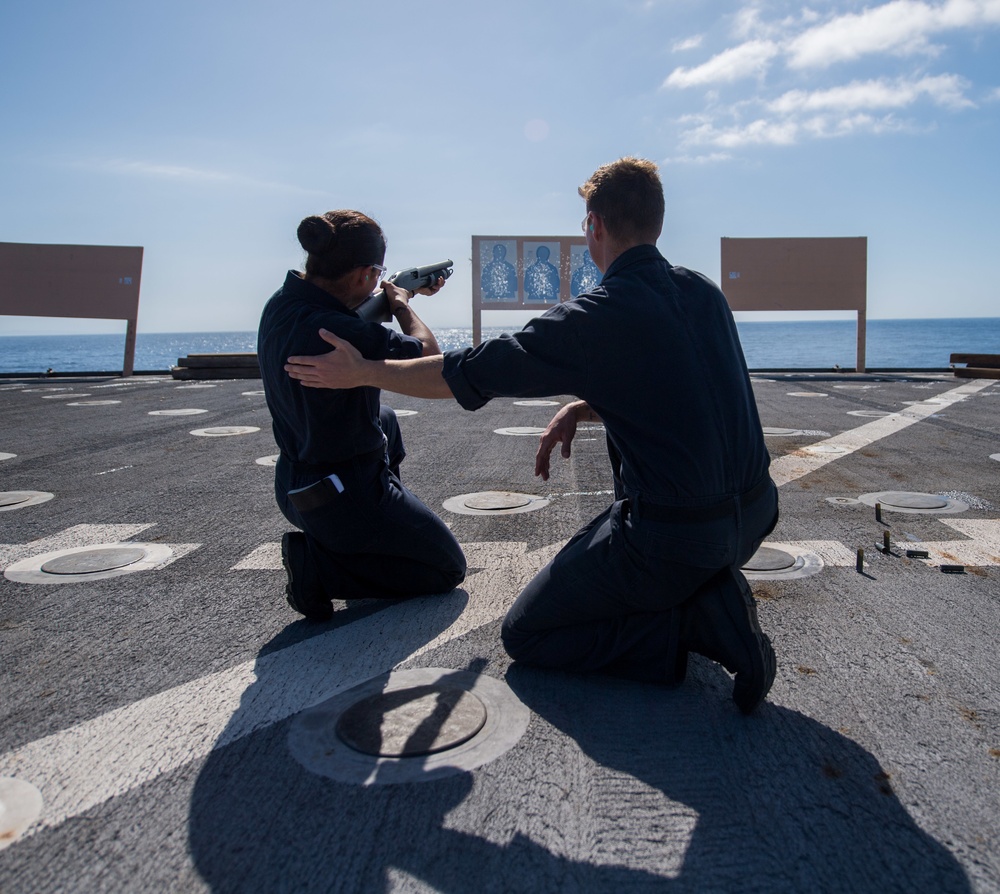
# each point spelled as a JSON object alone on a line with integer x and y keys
{"x": 678, "y": 790}
{"x": 778, "y": 802}
{"x": 259, "y": 821}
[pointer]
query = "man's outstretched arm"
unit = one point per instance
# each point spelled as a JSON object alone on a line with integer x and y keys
{"x": 344, "y": 367}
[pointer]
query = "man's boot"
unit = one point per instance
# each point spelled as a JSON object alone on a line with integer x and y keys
{"x": 720, "y": 622}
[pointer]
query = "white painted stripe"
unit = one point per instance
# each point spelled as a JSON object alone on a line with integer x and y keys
{"x": 264, "y": 558}
{"x": 78, "y": 768}
{"x": 797, "y": 464}
{"x": 982, "y": 549}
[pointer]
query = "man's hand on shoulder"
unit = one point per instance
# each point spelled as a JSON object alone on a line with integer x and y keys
{"x": 343, "y": 367}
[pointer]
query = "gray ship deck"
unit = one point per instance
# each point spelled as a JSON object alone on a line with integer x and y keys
{"x": 162, "y": 710}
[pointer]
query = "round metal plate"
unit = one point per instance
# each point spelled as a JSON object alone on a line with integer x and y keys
{"x": 314, "y": 740}
{"x": 768, "y": 559}
{"x": 94, "y": 561}
{"x": 92, "y": 403}
{"x": 224, "y": 431}
{"x": 412, "y": 722}
{"x": 20, "y": 805}
{"x": 806, "y": 394}
{"x": 870, "y": 414}
{"x": 493, "y": 502}
{"x": 522, "y": 430}
{"x": 904, "y": 500}
{"x": 915, "y": 503}
{"x": 494, "y": 499}
{"x": 782, "y": 561}
{"x": 13, "y": 500}
{"x": 190, "y": 412}
{"x": 536, "y": 403}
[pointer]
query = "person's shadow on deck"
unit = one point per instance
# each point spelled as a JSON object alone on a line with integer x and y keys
{"x": 774, "y": 802}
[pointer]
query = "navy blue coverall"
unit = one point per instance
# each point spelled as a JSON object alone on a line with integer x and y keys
{"x": 376, "y": 539}
{"x": 654, "y": 351}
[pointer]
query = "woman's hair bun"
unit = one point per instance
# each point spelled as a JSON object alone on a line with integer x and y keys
{"x": 315, "y": 234}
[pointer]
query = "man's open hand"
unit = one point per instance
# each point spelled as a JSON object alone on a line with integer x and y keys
{"x": 561, "y": 430}
{"x": 340, "y": 368}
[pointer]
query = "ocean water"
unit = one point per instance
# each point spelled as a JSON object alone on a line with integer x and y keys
{"x": 890, "y": 344}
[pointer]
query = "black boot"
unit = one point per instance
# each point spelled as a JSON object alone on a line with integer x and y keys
{"x": 304, "y": 591}
{"x": 720, "y": 622}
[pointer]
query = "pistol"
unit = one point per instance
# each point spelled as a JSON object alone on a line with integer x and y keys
{"x": 375, "y": 308}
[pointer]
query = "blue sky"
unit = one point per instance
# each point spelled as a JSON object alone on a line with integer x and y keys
{"x": 205, "y": 131}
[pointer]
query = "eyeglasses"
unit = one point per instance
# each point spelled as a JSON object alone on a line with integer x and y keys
{"x": 381, "y": 270}
{"x": 583, "y": 223}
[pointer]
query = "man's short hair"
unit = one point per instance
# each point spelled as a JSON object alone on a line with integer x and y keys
{"x": 628, "y": 196}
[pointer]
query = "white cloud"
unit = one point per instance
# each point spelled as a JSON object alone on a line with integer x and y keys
{"x": 710, "y": 158}
{"x": 791, "y": 131}
{"x": 900, "y": 27}
{"x": 944, "y": 90}
{"x": 171, "y": 172}
{"x": 689, "y": 43}
{"x": 811, "y": 42}
{"x": 756, "y": 133}
{"x": 183, "y": 173}
{"x": 745, "y": 60}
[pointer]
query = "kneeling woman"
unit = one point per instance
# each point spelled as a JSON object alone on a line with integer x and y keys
{"x": 362, "y": 534}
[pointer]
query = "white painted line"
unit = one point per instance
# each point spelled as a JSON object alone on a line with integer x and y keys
{"x": 90, "y": 763}
{"x": 264, "y": 558}
{"x": 796, "y": 465}
{"x": 982, "y": 549}
{"x": 4, "y": 456}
